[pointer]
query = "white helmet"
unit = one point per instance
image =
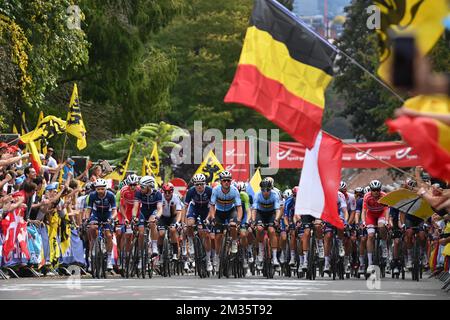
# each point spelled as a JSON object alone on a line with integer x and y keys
{"x": 147, "y": 181}
{"x": 100, "y": 183}
{"x": 242, "y": 186}
{"x": 375, "y": 184}
{"x": 132, "y": 179}
{"x": 199, "y": 178}
{"x": 225, "y": 175}
{"x": 366, "y": 189}
{"x": 287, "y": 193}
{"x": 342, "y": 186}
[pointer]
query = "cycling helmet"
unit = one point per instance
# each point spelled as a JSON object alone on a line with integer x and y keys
{"x": 342, "y": 186}
{"x": 199, "y": 178}
{"x": 100, "y": 183}
{"x": 287, "y": 193}
{"x": 132, "y": 179}
{"x": 271, "y": 180}
{"x": 266, "y": 184}
{"x": 295, "y": 190}
{"x": 168, "y": 187}
{"x": 225, "y": 175}
{"x": 88, "y": 186}
{"x": 241, "y": 186}
{"x": 359, "y": 190}
{"x": 366, "y": 189}
{"x": 375, "y": 184}
{"x": 411, "y": 183}
{"x": 147, "y": 181}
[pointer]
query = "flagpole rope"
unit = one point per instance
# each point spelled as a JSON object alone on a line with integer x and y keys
{"x": 336, "y": 49}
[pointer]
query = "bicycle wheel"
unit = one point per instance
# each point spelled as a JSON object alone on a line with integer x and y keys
{"x": 224, "y": 261}
{"x": 98, "y": 258}
{"x": 200, "y": 257}
{"x": 416, "y": 262}
{"x": 165, "y": 257}
{"x": 311, "y": 273}
{"x": 268, "y": 259}
{"x": 334, "y": 258}
{"x": 134, "y": 258}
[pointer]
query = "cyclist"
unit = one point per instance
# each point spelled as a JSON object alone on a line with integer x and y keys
{"x": 244, "y": 234}
{"x": 329, "y": 229}
{"x": 351, "y": 209}
{"x": 101, "y": 208}
{"x": 170, "y": 218}
{"x": 197, "y": 200}
{"x": 127, "y": 201}
{"x": 374, "y": 215}
{"x": 287, "y": 194}
{"x": 361, "y": 232}
{"x": 289, "y": 210}
{"x": 266, "y": 211}
{"x": 149, "y": 204}
{"x": 408, "y": 222}
{"x": 225, "y": 206}
{"x": 394, "y": 216}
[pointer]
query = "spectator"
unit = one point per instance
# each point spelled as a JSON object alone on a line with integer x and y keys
{"x": 51, "y": 162}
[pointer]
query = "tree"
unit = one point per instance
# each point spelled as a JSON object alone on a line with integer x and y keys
{"x": 143, "y": 140}
{"x": 368, "y": 104}
{"x": 124, "y": 70}
{"x": 43, "y": 49}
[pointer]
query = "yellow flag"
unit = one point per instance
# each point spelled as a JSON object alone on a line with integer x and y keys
{"x": 34, "y": 157}
{"x": 146, "y": 168}
{"x": 434, "y": 104}
{"x": 75, "y": 125}
{"x": 254, "y": 187}
{"x": 154, "y": 159}
{"x": 422, "y": 18}
{"x": 121, "y": 169}
{"x": 210, "y": 167}
{"x": 14, "y": 129}
{"x": 42, "y": 143}
{"x": 23, "y": 124}
{"x": 46, "y": 128}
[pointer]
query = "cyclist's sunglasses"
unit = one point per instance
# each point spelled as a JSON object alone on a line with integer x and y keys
{"x": 225, "y": 180}
{"x": 375, "y": 190}
{"x": 100, "y": 189}
{"x": 133, "y": 184}
{"x": 266, "y": 190}
{"x": 199, "y": 184}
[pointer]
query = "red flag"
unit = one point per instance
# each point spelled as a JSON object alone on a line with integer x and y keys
{"x": 9, "y": 227}
{"x": 22, "y": 236}
{"x": 319, "y": 180}
{"x": 35, "y": 158}
{"x": 431, "y": 141}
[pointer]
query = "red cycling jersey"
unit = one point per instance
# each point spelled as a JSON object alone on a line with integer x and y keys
{"x": 374, "y": 209}
{"x": 127, "y": 200}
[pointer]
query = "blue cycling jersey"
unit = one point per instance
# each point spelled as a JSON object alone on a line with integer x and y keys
{"x": 289, "y": 207}
{"x": 102, "y": 207}
{"x": 225, "y": 201}
{"x": 270, "y": 204}
{"x": 359, "y": 205}
{"x": 148, "y": 202}
{"x": 199, "y": 201}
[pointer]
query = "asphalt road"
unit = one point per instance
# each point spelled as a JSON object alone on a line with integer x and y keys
{"x": 189, "y": 287}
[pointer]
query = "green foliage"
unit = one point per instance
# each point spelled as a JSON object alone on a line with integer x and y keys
{"x": 143, "y": 139}
{"x": 368, "y": 104}
{"x": 124, "y": 70}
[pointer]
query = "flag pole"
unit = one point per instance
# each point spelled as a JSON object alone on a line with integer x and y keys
{"x": 64, "y": 147}
{"x": 336, "y": 49}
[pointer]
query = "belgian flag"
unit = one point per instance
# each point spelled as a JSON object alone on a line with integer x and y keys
{"x": 283, "y": 72}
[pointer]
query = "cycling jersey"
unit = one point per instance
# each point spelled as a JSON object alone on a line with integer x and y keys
{"x": 170, "y": 207}
{"x": 351, "y": 201}
{"x": 289, "y": 208}
{"x": 359, "y": 205}
{"x": 225, "y": 201}
{"x": 374, "y": 210}
{"x": 341, "y": 203}
{"x": 269, "y": 204}
{"x": 245, "y": 200}
{"x": 127, "y": 200}
{"x": 198, "y": 202}
{"x": 280, "y": 196}
{"x": 148, "y": 202}
{"x": 102, "y": 207}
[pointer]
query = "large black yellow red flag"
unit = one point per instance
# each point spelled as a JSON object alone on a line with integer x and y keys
{"x": 421, "y": 18}
{"x": 46, "y": 128}
{"x": 283, "y": 72}
{"x": 210, "y": 167}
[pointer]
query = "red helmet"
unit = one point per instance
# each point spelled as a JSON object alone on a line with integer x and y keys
{"x": 295, "y": 190}
{"x": 167, "y": 187}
